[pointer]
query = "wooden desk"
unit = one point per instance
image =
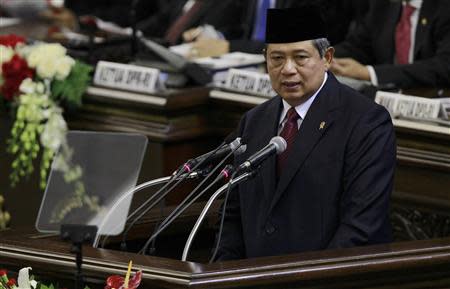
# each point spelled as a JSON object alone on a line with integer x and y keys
{"x": 418, "y": 264}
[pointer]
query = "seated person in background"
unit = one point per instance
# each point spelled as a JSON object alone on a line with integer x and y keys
{"x": 177, "y": 16}
{"x": 399, "y": 45}
{"x": 117, "y": 11}
{"x": 248, "y": 36}
{"x": 22, "y": 9}
{"x": 331, "y": 187}
{"x": 341, "y": 14}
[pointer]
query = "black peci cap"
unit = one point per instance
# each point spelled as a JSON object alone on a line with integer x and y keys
{"x": 295, "y": 24}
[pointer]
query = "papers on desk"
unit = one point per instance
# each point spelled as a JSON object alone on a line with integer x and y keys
{"x": 231, "y": 60}
{"x": 223, "y": 62}
{"x": 4, "y": 21}
{"x": 356, "y": 84}
{"x": 414, "y": 107}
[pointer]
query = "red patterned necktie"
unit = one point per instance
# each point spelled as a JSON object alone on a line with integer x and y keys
{"x": 403, "y": 35}
{"x": 178, "y": 27}
{"x": 288, "y": 132}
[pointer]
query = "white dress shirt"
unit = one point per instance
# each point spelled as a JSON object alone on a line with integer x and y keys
{"x": 301, "y": 109}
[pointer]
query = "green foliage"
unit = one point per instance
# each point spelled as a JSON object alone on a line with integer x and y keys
{"x": 24, "y": 142}
{"x": 47, "y": 157}
{"x": 71, "y": 89}
{"x": 42, "y": 286}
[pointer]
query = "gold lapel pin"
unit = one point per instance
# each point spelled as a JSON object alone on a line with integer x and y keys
{"x": 424, "y": 21}
{"x": 322, "y": 125}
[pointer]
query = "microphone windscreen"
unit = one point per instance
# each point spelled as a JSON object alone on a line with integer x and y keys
{"x": 280, "y": 144}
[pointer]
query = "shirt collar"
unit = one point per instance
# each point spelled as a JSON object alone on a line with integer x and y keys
{"x": 415, "y": 3}
{"x": 302, "y": 108}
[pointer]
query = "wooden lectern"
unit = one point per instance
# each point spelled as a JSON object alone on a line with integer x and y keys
{"x": 415, "y": 264}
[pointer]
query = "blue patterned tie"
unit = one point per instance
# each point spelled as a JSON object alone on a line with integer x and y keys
{"x": 259, "y": 27}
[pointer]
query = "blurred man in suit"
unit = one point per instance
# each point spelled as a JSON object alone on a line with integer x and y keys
{"x": 331, "y": 187}
{"x": 177, "y": 16}
{"x": 400, "y": 44}
{"x": 341, "y": 15}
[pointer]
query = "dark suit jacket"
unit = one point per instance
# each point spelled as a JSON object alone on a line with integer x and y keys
{"x": 339, "y": 14}
{"x": 335, "y": 189}
{"x": 224, "y": 15}
{"x": 373, "y": 44}
{"x": 117, "y": 11}
{"x": 242, "y": 40}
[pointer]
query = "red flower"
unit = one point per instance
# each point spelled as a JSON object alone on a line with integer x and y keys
{"x": 14, "y": 72}
{"x": 11, "y": 282}
{"x": 11, "y": 40}
{"x": 3, "y": 272}
{"x": 116, "y": 281}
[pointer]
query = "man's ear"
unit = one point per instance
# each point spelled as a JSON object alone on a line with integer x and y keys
{"x": 328, "y": 57}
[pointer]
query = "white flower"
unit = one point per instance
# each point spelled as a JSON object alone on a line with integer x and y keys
{"x": 23, "y": 281}
{"x": 50, "y": 60}
{"x": 46, "y": 68}
{"x": 63, "y": 67}
{"x": 55, "y": 130}
{"x": 28, "y": 86}
{"x": 6, "y": 53}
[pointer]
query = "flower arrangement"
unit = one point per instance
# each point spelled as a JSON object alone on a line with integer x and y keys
{"x": 4, "y": 215}
{"x": 36, "y": 80}
{"x": 25, "y": 281}
{"x": 119, "y": 282}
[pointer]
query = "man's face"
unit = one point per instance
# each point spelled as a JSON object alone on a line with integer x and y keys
{"x": 296, "y": 69}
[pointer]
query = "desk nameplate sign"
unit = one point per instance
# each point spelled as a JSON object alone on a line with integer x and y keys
{"x": 127, "y": 77}
{"x": 409, "y": 106}
{"x": 249, "y": 82}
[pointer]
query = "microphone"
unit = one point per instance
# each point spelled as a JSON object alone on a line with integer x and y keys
{"x": 276, "y": 145}
{"x": 235, "y": 146}
{"x": 225, "y": 174}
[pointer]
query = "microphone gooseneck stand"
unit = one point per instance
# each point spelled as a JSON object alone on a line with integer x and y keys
{"x": 142, "y": 186}
{"x": 183, "y": 206}
{"x": 200, "y": 219}
{"x": 163, "y": 193}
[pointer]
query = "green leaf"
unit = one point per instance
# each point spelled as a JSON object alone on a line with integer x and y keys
{"x": 71, "y": 90}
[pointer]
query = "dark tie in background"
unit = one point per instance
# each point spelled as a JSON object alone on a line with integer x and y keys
{"x": 259, "y": 27}
{"x": 288, "y": 132}
{"x": 403, "y": 35}
{"x": 178, "y": 27}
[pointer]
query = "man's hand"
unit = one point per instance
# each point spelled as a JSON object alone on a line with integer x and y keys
{"x": 61, "y": 17}
{"x": 204, "y": 47}
{"x": 350, "y": 68}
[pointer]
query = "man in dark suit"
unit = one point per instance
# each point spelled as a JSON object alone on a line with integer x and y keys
{"x": 332, "y": 185}
{"x": 380, "y": 41}
{"x": 177, "y": 16}
{"x": 117, "y": 11}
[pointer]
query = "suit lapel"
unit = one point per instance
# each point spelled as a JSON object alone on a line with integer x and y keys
{"x": 423, "y": 24}
{"x": 316, "y": 123}
{"x": 265, "y": 134}
{"x": 249, "y": 18}
{"x": 387, "y": 45}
